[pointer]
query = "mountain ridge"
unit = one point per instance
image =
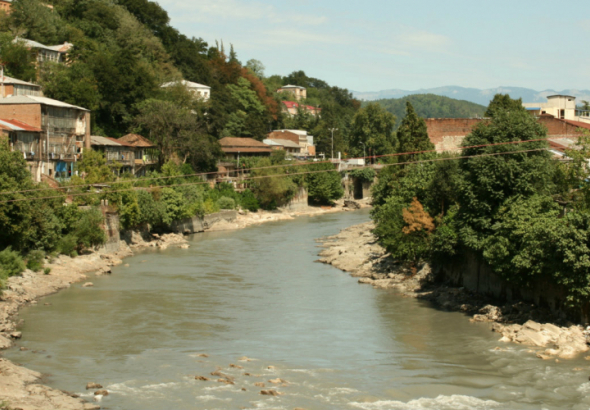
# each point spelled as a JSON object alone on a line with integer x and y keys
{"x": 475, "y": 95}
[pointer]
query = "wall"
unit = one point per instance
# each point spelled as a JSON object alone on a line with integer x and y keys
{"x": 112, "y": 229}
{"x": 28, "y": 113}
{"x": 197, "y": 224}
{"x": 447, "y": 134}
{"x": 477, "y": 276}
{"x": 299, "y": 202}
{"x": 558, "y": 128}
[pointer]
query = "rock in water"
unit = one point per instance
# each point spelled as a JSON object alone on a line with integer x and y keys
{"x": 101, "y": 393}
{"x": 93, "y": 386}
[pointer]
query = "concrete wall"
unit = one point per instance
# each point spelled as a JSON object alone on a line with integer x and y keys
{"x": 112, "y": 229}
{"x": 477, "y": 276}
{"x": 299, "y": 202}
{"x": 197, "y": 224}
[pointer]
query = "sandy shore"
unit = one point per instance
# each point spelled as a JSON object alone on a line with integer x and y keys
{"x": 355, "y": 250}
{"x": 21, "y": 388}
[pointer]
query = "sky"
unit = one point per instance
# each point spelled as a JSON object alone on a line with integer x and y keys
{"x": 376, "y": 45}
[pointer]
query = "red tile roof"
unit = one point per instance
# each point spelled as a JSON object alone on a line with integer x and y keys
{"x": 578, "y": 124}
{"x": 293, "y": 104}
{"x": 125, "y": 144}
{"x": 16, "y": 125}
{"x": 241, "y": 142}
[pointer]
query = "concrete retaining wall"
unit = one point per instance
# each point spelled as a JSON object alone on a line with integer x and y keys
{"x": 298, "y": 202}
{"x": 197, "y": 224}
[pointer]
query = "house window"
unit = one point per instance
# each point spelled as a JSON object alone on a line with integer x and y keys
{"x": 562, "y": 114}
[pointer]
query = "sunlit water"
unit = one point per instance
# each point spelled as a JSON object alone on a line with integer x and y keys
{"x": 258, "y": 293}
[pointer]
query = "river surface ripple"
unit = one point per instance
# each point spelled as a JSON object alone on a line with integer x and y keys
{"x": 258, "y": 293}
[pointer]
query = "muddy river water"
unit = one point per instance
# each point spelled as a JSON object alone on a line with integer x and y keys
{"x": 258, "y": 293}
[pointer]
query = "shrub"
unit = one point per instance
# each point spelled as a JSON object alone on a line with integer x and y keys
{"x": 35, "y": 260}
{"x": 11, "y": 263}
{"x": 226, "y": 203}
{"x": 364, "y": 174}
{"x": 324, "y": 187}
{"x": 249, "y": 201}
{"x": 210, "y": 207}
{"x": 73, "y": 254}
{"x": 47, "y": 271}
{"x": 67, "y": 244}
{"x": 89, "y": 229}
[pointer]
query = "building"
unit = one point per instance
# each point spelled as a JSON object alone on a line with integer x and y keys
{"x": 301, "y": 137}
{"x": 118, "y": 154}
{"x": 11, "y": 86}
{"x": 5, "y": 6}
{"x": 288, "y": 146}
{"x": 291, "y": 108}
{"x": 146, "y": 154}
{"x": 560, "y": 106}
{"x": 65, "y": 130}
{"x": 202, "y": 92}
{"x": 27, "y": 140}
{"x": 44, "y": 53}
{"x": 300, "y": 93}
{"x": 234, "y": 148}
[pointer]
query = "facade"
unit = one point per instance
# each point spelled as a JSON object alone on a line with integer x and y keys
{"x": 5, "y": 6}
{"x": 234, "y": 148}
{"x": 65, "y": 130}
{"x": 27, "y": 140}
{"x": 11, "y": 86}
{"x": 202, "y": 92}
{"x": 560, "y": 106}
{"x": 146, "y": 154}
{"x": 291, "y": 108}
{"x": 288, "y": 146}
{"x": 300, "y": 137}
{"x": 44, "y": 53}
{"x": 299, "y": 93}
{"x": 117, "y": 153}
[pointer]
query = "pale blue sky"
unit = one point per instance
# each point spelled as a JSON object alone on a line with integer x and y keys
{"x": 377, "y": 44}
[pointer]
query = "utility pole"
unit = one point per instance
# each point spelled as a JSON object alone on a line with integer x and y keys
{"x": 332, "y": 129}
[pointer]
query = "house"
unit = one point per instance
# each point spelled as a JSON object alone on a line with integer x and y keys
{"x": 234, "y": 148}
{"x": 288, "y": 146}
{"x": 291, "y": 108}
{"x": 117, "y": 153}
{"x": 65, "y": 130}
{"x": 300, "y": 137}
{"x": 202, "y": 92}
{"x": 298, "y": 92}
{"x": 44, "y": 53}
{"x": 27, "y": 140}
{"x": 11, "y": 86}
{"x": 146, "y": 154}
{"x": 5, "y": 6}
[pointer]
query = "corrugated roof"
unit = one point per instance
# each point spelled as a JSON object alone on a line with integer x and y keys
{"x": 136, "y": 140}
{"x": 188, "y": 84}
{"x": 33, "y": 44}
{"x": 293, "y": 86}
{"x": 10, "y": 80}
{"x": 15, "y": 125}
{"x": 241, "y": 142}
{"x": 104, "y": 141}
{"x": 282, "y": 142}
{"x": 235, "y": 150}
{"x": 33, "y": 99}
{"x": 579, "y": 124}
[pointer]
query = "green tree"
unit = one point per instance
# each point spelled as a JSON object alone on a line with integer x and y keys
{"x": 372, "y": 126}
{"x": 412, "y": 135}
{"x": 35, "y": 20}
{"x": 17, "y": 59}
{"x": 94, "y": 168}
{"x": 324, "y": 187}
{"x": 503, "y": 102}
{"x": 74, "y": 84}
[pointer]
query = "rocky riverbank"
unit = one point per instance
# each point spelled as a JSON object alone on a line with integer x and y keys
{"x": 21, "y": 388}
{"x": 355, "y": 250}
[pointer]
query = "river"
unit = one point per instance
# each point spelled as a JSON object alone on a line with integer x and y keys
{"x": 258, "y": 293}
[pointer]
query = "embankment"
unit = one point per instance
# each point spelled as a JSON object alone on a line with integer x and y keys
{"x": 21, "y": 388}
{"x": 355, "y": 250}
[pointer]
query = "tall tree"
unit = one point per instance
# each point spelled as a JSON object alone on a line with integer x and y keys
{"x": 503, "y": 102}
{"x": 373, "y": 127}
{"x": 412, "y": 135}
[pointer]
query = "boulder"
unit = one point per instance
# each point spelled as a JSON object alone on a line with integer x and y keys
{"x": 16, "y": 335}
{"x": 92, "y": 385}
{"x": 202, "y": 378}
{"x": 352, "y": 204}
{"x": 101, "y": 393}
{"x": 87, "y": 285}
{"x": 270, "y": 393}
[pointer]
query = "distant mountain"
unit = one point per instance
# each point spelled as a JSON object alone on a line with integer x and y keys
{"x": 432, "y": 106}
{"x": 475, "y": 95}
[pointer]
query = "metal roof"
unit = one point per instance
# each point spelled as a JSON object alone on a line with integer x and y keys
{"x": 293, "y": 86}
{"x": 560, "y": 95}
{"x": 281, "y": 142}
{"x": 33, "y": 99}
{"x": 104, "y": 141}
{"x": 136, "y": 140}
{"x": 188, "y": 84}
{"x": 10, "y": 80}
{"x": 533, "y": 108}
{"x": 33, "y": 44}
{"x": 15, "y": 125}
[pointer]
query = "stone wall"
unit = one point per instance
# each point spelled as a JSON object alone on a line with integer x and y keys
{"x": 299, "y": 202}
{"x": 112, "y": 229}
{"x": 475, "y": 275}
{"x": 197, "y": 224}
{"x": 447, "y": 134}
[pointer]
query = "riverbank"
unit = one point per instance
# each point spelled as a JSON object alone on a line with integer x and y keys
{"x": 355, "y": 250}
{"x": 21, "y": 388}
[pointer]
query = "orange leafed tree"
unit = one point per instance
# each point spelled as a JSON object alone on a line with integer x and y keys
{"x": 417, "y": 219}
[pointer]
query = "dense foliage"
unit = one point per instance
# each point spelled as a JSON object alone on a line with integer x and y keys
{"x": 513, "y": 206}
{"x": 432, "y": 106}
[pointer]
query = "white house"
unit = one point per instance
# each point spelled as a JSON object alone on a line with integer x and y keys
{"x": 560, "y": 106}
{"x": 201, "y": 91}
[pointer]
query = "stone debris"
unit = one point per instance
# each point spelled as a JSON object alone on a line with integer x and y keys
{"x": 202, "y": 378}
{"x": 235, "y": 366}
{"x": 259, "y": 384}
{"x": 270, "y": 393}
{"x": 87, "y": 285}
{"x": 93, "y": 386}
{"x": 101, "y": 393}
{"x": 277, "y": 381}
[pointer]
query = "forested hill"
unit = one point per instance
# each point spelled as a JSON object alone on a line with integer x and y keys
{"x": 433, "y": 106}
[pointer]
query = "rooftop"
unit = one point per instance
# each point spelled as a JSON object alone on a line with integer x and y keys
{"x": 281, "y": 143}
{"x": 33, "y": 99}
{"x": 292, "y": 86}
{"x": 15, "y": 125}
{"x": 241, "y": 142}
{"x": 10, "y": 80}
{"x": 136, "y": 140}
{"x": 188, "y": 84}
{"x": 562, "y": 96}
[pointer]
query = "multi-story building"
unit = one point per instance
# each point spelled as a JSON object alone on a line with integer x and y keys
{"x": 202, "y": 92}
{"x": 11, "y": 86}
{"x": 44, "y": 53}
{"x": 64, "y": 132}
{"x": 291, "y": 108}
{"x": 300, "y": 93}
{"x": 300, "y": 137}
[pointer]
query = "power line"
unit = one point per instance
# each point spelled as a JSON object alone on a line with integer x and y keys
{"x": 274, "y": 166}
{"x": 272, "y": 176}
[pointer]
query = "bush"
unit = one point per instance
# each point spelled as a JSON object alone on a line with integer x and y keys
{"x": 11, "y": 263}
{"x": 47, "y": 271}
{"x": 210, "y": 207}
{"x": 248, "y": 201}
{"x": 89, "y": 229}
{"x": 226, "y": 203}
{"x": 67, "y": 244}
{"x": 364, "y": 174}
{"x": 324, "y": 187}
{"x": 35, "y": 260}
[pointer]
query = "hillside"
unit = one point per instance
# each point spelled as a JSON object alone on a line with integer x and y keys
{"x": 433, "y": 106}
{"x": 475, "y": 95}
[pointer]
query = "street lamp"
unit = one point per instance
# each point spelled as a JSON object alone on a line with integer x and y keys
{"x": 333, "y": 129}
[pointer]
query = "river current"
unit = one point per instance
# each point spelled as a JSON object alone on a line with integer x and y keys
{"x": 257, "y": 293}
